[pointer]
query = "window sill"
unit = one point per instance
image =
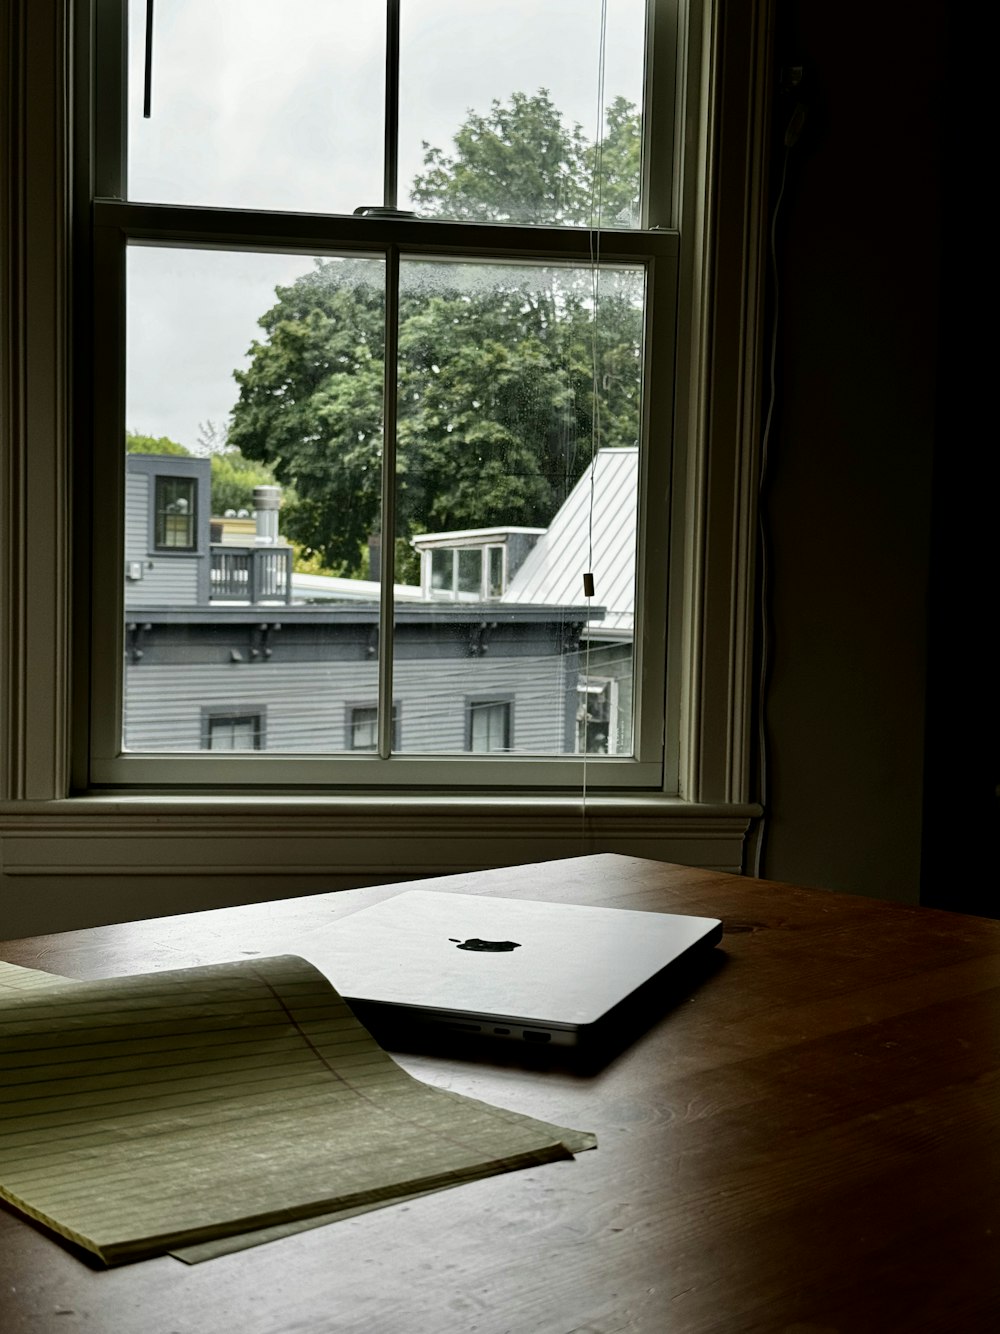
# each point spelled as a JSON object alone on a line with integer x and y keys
{"x": 90, "y": 860}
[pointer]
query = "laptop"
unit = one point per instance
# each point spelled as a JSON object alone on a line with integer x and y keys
{"x": 521, "y": 970}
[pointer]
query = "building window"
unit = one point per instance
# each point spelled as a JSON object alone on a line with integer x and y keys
{"x": 175, "y": 513}
{"x": 489, "y": 725}
{"x": 470, "y": 573}
{"x": 596, "y": 717}
{"x": 232, "y": 729}
{"x": 362, "y": 727}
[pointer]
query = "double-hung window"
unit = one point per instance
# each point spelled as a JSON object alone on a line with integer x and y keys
{"x": 408, "y": 273}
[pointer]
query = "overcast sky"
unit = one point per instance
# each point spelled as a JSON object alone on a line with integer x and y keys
{"x": 257, "y": 104}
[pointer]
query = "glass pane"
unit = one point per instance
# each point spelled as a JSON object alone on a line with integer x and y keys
{"x": 498, "y": 437}
{"x": 443, "y": 571}
{"x": 496, "y": 572}
{"x": 256, "y": 381}
{"x": 258, "y": 105}
{"x": 502, "y": 116}
{"x": 489, "y": 727}
{"x": 364, "y": 728}
{"x": 470, "y": 571}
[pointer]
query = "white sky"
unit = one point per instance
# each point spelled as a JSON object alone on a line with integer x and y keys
{"x": 277, "y": 104}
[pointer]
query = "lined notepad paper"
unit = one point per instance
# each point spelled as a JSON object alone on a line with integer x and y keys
{"x": 144, "y": 1114}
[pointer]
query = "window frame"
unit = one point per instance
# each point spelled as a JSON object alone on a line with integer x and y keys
{"x": 46, "y": 537}
{"x": 160, "y": 513}
{"x": 117, "y": 223}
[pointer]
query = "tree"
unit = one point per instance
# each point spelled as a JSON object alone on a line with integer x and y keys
{"x": 497, "y": 363}
{"x": 136, "y": 443}
{"x": 522, "y": 163}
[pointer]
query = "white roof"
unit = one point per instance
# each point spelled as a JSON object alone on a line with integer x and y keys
{"x": 469, "y": 535}
{"x": 336, "y": 589}
{"x": 553, "y": 570}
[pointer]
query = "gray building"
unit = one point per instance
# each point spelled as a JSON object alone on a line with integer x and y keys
{"x": 226, "y": 648}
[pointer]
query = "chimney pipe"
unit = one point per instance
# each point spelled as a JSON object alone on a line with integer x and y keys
{"x": 267, "y": 501}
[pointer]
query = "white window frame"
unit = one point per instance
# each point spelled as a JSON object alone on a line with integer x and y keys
{"x": 46, "y": 511}
{"x": 118, "y": 223}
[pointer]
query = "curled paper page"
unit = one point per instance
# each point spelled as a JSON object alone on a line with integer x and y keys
{"x": 179, "y": 1109}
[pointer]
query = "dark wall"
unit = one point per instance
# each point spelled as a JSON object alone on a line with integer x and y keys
{"x": 856, "y": 703}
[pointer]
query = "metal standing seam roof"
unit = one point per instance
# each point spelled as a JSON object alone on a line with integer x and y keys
{"x": 553, "y": 570}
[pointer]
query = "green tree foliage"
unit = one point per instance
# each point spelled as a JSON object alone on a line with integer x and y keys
{"x": 233, "y": 481}
{"x": 233, "y": 476}
{"x": 136, "y": 443}
{"x": 497, "y": 410}
{"x": 522, "y": 163}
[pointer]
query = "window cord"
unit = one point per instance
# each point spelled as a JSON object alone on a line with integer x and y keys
{"x": 762, "y": 737}
{"x": 596, "y": 217}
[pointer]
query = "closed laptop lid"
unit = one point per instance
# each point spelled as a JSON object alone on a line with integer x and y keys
{"x": 551, "y": 964}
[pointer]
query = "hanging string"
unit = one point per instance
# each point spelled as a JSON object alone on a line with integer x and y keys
{"x": 147, "y": 86}
{"x": 596, "y": 221}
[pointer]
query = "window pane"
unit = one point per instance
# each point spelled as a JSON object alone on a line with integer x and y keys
{"x": 234, "y": 733}
{"x": 443, "y": 571}
{"x": 489, "y": 726}
{"x": 258, "y": 105}
{"x": 470, "y": 571}
{"x": 496, "y": 572}
{"x": 500, "y": 110}
{"x": 364, "y": 728}
{"x": 255, "y": 381}
{"x": 175, "y": 512}
{"x": 498, "y": 437}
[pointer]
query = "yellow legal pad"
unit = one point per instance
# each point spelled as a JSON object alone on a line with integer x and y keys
{"x": 144, "y": 1114}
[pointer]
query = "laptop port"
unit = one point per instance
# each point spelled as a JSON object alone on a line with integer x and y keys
{"x": 504, "y": 1031}
{"x": 536, "y": 1035}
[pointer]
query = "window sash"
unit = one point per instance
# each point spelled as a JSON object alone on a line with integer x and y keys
{"x": 175, "y": 528}
{"x": 117, "y": 223}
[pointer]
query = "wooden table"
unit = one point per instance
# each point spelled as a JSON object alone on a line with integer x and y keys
{"x": 806, "y": 1143}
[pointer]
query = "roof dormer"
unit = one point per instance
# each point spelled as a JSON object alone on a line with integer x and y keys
{"x": 474, "y": 564}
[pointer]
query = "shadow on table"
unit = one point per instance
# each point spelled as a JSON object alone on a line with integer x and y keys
{"x": 621, "y": 1028}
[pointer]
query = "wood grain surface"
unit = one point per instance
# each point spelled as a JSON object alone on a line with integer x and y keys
{"x": 807, "y": 1140}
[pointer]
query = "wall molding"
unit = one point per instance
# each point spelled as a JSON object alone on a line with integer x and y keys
{"x": 70, "y": 864}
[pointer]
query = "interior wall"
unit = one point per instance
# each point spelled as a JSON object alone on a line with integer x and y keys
{"x": 847, "y": 498}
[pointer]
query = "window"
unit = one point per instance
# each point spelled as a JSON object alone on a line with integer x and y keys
{"x": 489, "y": 727}
{"x": 237, "y": 729}
{"x": 175, "y": 513}
{"x": 686, "y": 729}
{"x": 362, "y": 727}
{"x": 479, "y": 393}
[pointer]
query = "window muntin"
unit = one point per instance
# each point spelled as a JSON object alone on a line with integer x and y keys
{"x": 406, "y": 240}
{"x": 175, "y": 513}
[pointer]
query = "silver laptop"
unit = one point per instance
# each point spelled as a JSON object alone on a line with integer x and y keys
{"x": 502, "y": 968}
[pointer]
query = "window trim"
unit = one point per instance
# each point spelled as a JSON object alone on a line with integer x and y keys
{"x": 44, "y": 536}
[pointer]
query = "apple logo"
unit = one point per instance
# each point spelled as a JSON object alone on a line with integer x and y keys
{"x": 486, "y": 946}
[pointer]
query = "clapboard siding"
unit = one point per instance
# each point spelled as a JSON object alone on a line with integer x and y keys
{"x": 307, "y": 703}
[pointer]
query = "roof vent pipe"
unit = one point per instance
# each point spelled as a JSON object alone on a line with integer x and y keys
{"x": 267, "y": 501}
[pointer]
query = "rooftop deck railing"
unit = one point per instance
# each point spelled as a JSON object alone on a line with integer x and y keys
{"x": 251, "y": 574}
